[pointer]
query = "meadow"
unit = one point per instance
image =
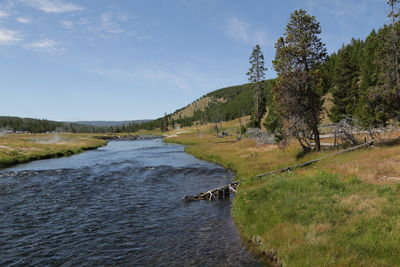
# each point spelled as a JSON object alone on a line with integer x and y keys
{"x": 341, "y": 211}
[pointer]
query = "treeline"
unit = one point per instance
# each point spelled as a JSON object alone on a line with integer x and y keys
{"x": 359, "y": 79}
{"x": 363, "y": 77}
{"x": 16, "y": 124}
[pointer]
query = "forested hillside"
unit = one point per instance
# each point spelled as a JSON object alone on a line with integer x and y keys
{"x": 219, "y": 105}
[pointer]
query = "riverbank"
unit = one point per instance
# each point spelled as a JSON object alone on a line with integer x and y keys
{"x": 342, "y": 211}
{"x": 22, "y": 148}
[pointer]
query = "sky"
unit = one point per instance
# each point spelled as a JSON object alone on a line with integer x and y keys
{"x": 71, "y": 60}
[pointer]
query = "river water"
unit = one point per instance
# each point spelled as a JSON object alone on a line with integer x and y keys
{"x": 119, "y": 205}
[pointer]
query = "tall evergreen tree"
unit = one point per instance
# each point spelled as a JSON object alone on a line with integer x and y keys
{"x": 346, "y": 80}
{"x": 393, "y": 58}
{"x": 299, "y": 54}
{"x": 256, "y": 75}
{"x": 164, "y": 123}
{"x": 384, "y": 97}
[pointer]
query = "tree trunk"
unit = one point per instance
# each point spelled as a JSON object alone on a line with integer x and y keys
{"x": 316, "y": 137}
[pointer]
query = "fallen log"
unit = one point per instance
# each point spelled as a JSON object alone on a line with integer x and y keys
{"x": 224, "y": 191}
{"x": 307, "y": 163}
{"x": 220, "y": 193}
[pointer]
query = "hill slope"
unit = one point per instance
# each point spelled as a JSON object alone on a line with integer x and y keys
{"x": 220, "y": 105}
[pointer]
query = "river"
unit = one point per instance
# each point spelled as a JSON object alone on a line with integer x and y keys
{"x": 119, "y": 205}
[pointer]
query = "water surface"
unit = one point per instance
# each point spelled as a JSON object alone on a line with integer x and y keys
{"x": 118, "y": 205}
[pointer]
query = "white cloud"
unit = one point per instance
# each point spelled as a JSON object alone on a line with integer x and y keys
{"x": 9, "y": 37}
{"x": 24, "y": 20}
{"x": 3, "y": 14}
{"x": 242, "y": 31}
{"x": 108, "y": 26}
{"x": 47, "y": 45}
{"x": 53, "y": 6}
{"x": 67, "y": 24}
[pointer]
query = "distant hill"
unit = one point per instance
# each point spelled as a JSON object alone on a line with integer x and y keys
{"x": 109, "y": 123}
{"x": 220, "y": 105}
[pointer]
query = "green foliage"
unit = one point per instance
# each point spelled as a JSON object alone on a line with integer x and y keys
{"x": 364, "y": 78}
{"x": 346, "y": 79}
{"x": 298, "y": 59}
{"x": 243, "y": 129}
{"x": 17, "y": 124}
{"x": 256, "y": 75}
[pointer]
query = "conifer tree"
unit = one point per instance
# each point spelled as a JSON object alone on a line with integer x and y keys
{"x": 346, "y": 81}
{"x": 384, "y": 97}
{"x": 393, "y": 58}
{"x": 256, "y": 75}
{"x": 299, "y": 54}
{"x": 164, "y": 123}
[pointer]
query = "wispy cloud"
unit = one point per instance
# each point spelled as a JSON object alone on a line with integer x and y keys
{"x": 184, "y": 79}
{"x": 53, "y": 6}
{"x": 353, "y": 8}
{"x": 3, "y": 14}
{"x": 9, "y": 37}
{"x": 46, "y": 45}
{"x": 66, "y": 24}
{"x": 108, "y": 26}
{"x": 24, "y": 20}
{"x": 242, "y": 31}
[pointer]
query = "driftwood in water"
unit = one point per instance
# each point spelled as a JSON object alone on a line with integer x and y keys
{"x": 220, "y": 192}
{"x": 307, "y": 163}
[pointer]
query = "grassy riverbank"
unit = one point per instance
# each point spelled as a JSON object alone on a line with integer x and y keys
{"x": 21, "y": 148}
{"x": 342, "y": 211}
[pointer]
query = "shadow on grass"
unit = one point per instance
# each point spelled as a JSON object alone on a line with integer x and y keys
{"x": 302, "y": 153}
{"x": 390, "y": 142}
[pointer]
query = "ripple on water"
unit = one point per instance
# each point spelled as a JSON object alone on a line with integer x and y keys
{"x": 122, "y": 206}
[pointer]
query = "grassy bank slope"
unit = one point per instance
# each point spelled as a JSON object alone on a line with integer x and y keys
{"x": 20, "y": 148}
{"x": 342, "y": 211}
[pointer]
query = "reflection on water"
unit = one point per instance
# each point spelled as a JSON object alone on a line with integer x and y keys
{"x": 118, "y": 205}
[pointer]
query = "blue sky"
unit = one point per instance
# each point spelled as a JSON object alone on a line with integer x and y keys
{"x": 119, "y": 60}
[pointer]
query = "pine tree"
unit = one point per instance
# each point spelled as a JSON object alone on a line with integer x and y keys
{"x": 393, "y": 57}
{"x": 164, "y": 123}
{"x": 299, "y": 54}
{"x": 346, "y": 81}
{"x": 383, "y": 98}
{"x": 256, "y": 75}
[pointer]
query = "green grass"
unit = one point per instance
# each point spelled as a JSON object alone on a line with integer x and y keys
{"x": 334, "y": 213}
{"x": 320, "y": 220}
